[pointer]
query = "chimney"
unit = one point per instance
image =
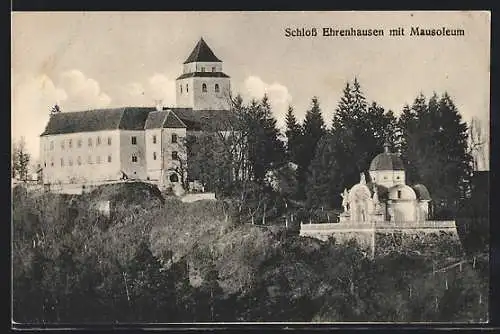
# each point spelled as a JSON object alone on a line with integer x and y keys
{"x": 159, "y": 105}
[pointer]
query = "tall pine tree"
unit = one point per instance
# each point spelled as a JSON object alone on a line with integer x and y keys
{"x": 293, "y": 135}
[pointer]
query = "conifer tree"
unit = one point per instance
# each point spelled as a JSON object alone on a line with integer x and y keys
{"x": 293, "y": 134}
{"x": 313, "y": 130}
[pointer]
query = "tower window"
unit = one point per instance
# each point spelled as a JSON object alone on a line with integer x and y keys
{"x": 204, "y": 88}
{"x": 109, "y": 158}
{"x": 134, "y": 140}
{"x": 399, "y": 193}
{"x": 98, "y": 141}
{"x": 154, "y": 139}
{"x": 154, "y": 155}
{"x": 174, "y": 138}
{"x": 109, "y": 141}
{"x": 213, "y": 69}
{"x": 175, "y": 156}
{"x": 181, "y": 88}
{"x": 187, "y": 88}
{"x": 70, "y": 143}
{"x": 62, "y": 144}
{"x": 217, "y": 88}
{"x": 79, "y": 143}
{"x": 134, "y": 158}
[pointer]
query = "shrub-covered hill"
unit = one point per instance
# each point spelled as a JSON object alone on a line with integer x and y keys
{"x": 180, "y": 262}
{"x": 128, "y": 193}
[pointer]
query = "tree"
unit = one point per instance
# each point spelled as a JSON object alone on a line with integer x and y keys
{"x": 313, "y": 129}
{"x": 293, "y": 134}
{"x": 20, "y": 160}
{"x": 435, "y": 150}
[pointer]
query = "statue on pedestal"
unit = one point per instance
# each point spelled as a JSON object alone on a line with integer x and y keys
{"x": 345, "y": 201}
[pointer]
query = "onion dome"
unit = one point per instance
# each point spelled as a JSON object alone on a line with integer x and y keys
{"x": 387, "y": 161}
{"x": 422, "y": 192}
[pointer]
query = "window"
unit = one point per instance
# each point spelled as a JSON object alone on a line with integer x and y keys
{"x": 213, "y": 69}
{"x": 134, "y": 158}
{"x": 45, "y": 164}
{"x": 70, "y": 143}
{"x": 181, "y": 88}
{"x": 62, "y": 162}
{"x": 204, "y": 88}
{"x": 79, "y": 161}
{"x": 134, "y": 140}
{"x": 174, "y": 155}
{"x": 187, "y": 88}
{"x": 399, "y": 193}
{"x": 109, "y": 141}
{"x": 79, "y": 143}
{"x": 90, "y": 142}
{"x": 174, "y": 138}
{"x": 51, "y": 145}
{"x": 51, "y": 162}
{"x": 174, "y": 178}
{"x": 217, "y": 88}
{"x": 98, "y": 141}
{"x": 154, "y": 155}
{"x": 203, "y": 69}
{"x": 62, "y": 144}
{"x": 70, "y": 162}
{"x": 109, "y": 158}
{"x": 154, "y": 139}
{"x": 98, "y": 159}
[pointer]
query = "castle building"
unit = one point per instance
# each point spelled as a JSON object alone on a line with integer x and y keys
{"x": 92, "y": 147}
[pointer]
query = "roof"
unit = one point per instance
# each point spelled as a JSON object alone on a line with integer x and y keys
{"x": 387, "y": 161}
{"x": 138, "y": 118}
{"x": 422, "y": 192}
{"x": 128, "y": 118}
{"x": 206, "y": 120}
{"x": 203, "y": 75}
{"x": 202, "y": 52}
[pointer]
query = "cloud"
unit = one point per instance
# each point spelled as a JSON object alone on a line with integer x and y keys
{"x": 156, "y": 87}
{"x": 34, "y": 96}
{"x": 279, "y": 97}
{"x": 83, "y": 92}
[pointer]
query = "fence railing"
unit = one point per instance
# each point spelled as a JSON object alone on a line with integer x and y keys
{"x": 430, "y": 224}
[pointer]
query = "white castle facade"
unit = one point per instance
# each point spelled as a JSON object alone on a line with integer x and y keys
{"x": 92, "y": 147}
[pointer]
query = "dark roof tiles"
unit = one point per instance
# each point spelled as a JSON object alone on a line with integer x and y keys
{"x": 202, "y": 53}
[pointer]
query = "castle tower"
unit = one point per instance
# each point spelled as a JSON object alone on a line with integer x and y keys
{"x": 203, "y": 85}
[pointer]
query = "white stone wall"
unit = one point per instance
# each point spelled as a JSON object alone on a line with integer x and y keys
{"x": 211, "y": 100}
{"x": 184, "y": 98}
{"x": 153, "y": 150}
{"x": 388, "y": 178}
{"x": 80, "y": 161}
{"x": 403, "y": 210}
{"x": 168, "y": 147}
{"x": 202, "y": 67}
{"x": 134, "y": 170}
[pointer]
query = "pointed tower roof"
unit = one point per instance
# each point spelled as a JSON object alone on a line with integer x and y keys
{"x": 202, "y": 52}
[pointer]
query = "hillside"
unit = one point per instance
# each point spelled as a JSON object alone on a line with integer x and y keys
{"x": 179, "y": 262}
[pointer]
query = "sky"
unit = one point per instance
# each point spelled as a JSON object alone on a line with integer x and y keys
{"x": 85, "y": 60}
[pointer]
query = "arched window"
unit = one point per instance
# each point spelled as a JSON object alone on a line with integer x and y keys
{"x": 174, "y": 178}
{"x": 204, "y": 88}
{"x": 175, "y": 155}
{"x": 187, "y": 88}
{"x": 217, "y": 88}
{"x": 181, "y": 89}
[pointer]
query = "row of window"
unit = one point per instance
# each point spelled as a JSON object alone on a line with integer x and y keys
{"x": 175, "y": 156}
{"x": 203, "y": 88}
{"x": 79, "y": 143}
{"x": 174, "y": 139}
{"x": 79, "y": 161}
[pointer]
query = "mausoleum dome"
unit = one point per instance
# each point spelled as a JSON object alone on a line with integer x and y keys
{"x": 422, "y": 192}
{"x": 402, "y": 192}
{"x": 387, "y": 161}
